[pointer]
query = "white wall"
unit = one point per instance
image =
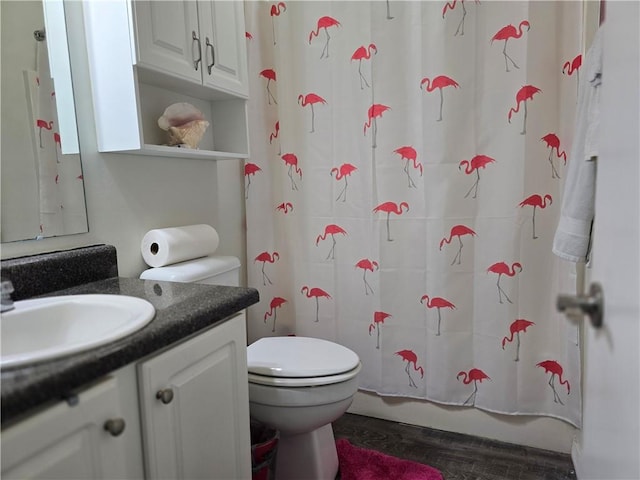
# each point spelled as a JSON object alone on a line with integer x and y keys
{"x": 127, "y": 195}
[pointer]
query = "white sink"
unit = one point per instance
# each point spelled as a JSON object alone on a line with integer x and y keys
{"x": 46, "y": 328}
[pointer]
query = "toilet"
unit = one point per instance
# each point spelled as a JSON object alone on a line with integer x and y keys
{"x": 297, "y": 385}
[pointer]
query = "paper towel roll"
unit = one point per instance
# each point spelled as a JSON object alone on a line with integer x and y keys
{"x": 164, "y": 246}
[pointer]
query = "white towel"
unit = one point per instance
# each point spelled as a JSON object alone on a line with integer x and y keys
{"x": 572, "y": 240}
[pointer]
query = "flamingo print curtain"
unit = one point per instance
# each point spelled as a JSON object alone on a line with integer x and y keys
{"x": 404, "y": 188}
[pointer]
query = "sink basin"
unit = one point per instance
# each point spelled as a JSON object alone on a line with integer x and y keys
{"x": 46, "y": 328}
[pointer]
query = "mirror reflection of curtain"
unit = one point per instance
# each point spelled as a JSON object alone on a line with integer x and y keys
{"x": 59, "y": 178}
{"x": 45, "y": 141}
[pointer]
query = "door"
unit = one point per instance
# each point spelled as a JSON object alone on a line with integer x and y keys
{"x": 224, "y": 50}
{"x": 195, "y": 407}
{"x": 167, "y": 37}
{"x": 70, "y": 441}
{"x": 609, "y": 442}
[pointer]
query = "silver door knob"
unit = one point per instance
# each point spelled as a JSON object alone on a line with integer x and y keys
{"x": 591, "y": 304}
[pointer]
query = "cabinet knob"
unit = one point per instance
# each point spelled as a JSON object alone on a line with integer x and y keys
{"x": 195, "y": 39}
{"x": 213, "y": 54}
{"x": 165, "y": 395}
{"x": 115, "y": 426}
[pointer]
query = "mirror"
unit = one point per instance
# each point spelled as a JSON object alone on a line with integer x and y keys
{"x": 42, "y": 184}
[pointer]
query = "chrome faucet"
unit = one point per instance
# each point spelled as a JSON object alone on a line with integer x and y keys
{"x": 6, "y": 289}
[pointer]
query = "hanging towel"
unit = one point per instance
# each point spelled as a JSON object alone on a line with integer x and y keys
{"x": 572, "y": 240}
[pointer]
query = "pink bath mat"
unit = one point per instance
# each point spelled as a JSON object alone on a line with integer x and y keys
{"x": 363, "y": 464}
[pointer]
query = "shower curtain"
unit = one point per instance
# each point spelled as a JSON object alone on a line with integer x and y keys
{"x": 403, "y": 188}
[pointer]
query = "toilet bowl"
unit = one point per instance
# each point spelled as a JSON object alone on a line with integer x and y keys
{"x": 299, "y": 385}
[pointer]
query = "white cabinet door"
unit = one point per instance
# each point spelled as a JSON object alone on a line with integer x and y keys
{"x": 69, "y": 442}
{"x": 167, "y": 37}
{"x": 222, "y": 32}
{"x": 200, "y": 429}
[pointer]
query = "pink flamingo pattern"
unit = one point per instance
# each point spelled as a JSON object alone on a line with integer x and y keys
{"x": 324, "y": 23}
{"x": 410, "y": 357}
{"x": 249, "y": 170}
{"x": 457, "y": 231}
{"x": 345, "y": 170}
{"x": 378, "y": 319}
{"x": 476, "y": 163}
{"x": 525, "y": 93}
{"x": 311, "y": 99}
{"x": 276, "y": 10}
{"x": 439, "y": 82}
{"x": 43, "y": 124}
{"x": 417, "y": 155}
{"x": 331, "y": 230}
{"x": 573, "y": 66}
{"x": 58, "y": 142}
{"x": 554, "y": 368}
{"x": 553, "y": 143}
{"x": 316, "y": 293}
{"x": 451, "y": 6}
{"x": 270, "y": 75}
{"x": 276, "y": 302}
{"x": 363, "y": 53}
{"x": 376, "y": 110}
{"x": 367, "y": 265}
{"x": 291, "y": 160}
{"x": 266, "y": 257}
{"x": 285, "y": 207}
{"x": 536, "y": 201}
{"x": 506, "y": 33}
{"x": 274, "y": 135}
{"x": 409, "y": 154}
{"x": 501, "y": 268}
{"x": 474, "y": 375}
{"x": 389, "y": 208}
{"x": 515, "y": 328}
{"x": 438, "y": 303}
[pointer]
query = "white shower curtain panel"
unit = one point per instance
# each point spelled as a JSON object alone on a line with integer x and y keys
{"x": 404, "y": 184}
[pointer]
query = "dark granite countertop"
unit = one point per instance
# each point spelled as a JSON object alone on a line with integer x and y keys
{"x": 181, "y": 310}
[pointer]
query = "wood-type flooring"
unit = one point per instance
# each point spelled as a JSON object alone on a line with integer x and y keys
{"x": 457, "y": 456}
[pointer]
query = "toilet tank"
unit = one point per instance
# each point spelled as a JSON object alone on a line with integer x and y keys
{"x": 213, "y": 270}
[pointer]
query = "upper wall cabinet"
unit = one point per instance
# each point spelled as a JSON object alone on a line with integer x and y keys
{"x": 199, "y": 41}
{"x": 146, "y": 55}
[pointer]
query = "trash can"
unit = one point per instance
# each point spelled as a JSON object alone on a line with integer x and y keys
{"x": 264, "y": 445}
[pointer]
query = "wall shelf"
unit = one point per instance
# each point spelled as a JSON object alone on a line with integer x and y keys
{"x": 166, "y": 151}
{"x": 130, "y": 94}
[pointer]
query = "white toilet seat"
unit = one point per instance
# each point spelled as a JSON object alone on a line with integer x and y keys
{"x": 299, "y": 357}
{"x": 303, "y": 381}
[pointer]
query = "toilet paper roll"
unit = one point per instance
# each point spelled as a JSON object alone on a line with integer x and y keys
{"x": 165, "y": 246}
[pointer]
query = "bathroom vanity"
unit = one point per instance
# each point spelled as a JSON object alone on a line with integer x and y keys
{"x": 169, "y": 401}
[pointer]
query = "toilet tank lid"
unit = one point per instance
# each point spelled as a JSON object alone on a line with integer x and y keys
{"x": 192, "y": 270}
